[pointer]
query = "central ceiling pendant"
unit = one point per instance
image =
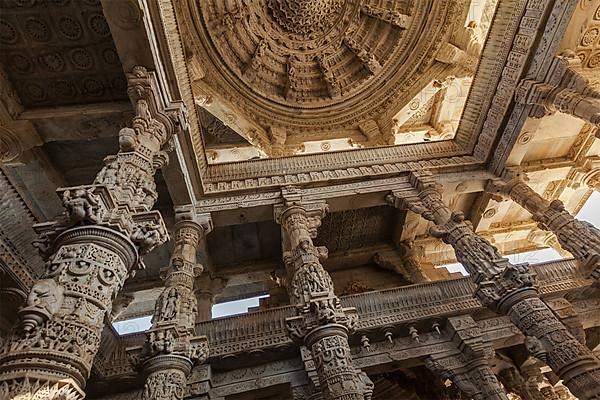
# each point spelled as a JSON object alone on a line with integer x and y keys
{"x": 305, "y": 16}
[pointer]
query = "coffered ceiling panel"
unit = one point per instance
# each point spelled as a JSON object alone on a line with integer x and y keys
{"x": 59, "y": 52}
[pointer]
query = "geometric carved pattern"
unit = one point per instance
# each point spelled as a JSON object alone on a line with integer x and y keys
{"x": 588, "y": 49}
{"x": 350, "y": 229}
{"x": 54, "y": 57}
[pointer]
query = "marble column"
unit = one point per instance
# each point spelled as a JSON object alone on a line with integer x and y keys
{"x": 466, "y": 364}
{"x": 511, "y": 290}
{"x": 321, "y": 323}
{"x": 580, "y": 238}
{"x": 90, "y": 252}
{"x": 172, "y": 347}
{"x": 564, "y": 90}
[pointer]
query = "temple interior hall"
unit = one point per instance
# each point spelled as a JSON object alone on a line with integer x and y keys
{"x": 300, "y": 199}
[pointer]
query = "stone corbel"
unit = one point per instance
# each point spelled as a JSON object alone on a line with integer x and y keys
{"x": 395, "y": 18}
{"x": 373, "y": 133}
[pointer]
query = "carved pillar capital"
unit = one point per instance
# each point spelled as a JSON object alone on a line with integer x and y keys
{"x": 466, "y": 362}
{"x": 300, "y": 218}
{"x": 564, "y": 90}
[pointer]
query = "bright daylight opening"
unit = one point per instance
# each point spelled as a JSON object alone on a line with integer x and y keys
{"x": 236, "y": 307}
{"x": 133, "y": 325}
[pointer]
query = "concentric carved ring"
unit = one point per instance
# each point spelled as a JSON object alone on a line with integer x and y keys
{"x": 271, "y": 57}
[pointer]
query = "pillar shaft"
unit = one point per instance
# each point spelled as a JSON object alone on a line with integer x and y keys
{"x": 172, "y": 347}
{"x": 90, "y": 251}
{"x": 580, "y": 238}
{"x": 510, "y": 289}
{"x": 322, "y": 324}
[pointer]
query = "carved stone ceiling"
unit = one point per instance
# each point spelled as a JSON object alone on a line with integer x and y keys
{"x": 284, "y": 73}
{"x": 346, "y": 230}
{"x": 59, "y": 52}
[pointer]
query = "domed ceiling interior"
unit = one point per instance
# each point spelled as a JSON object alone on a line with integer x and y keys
{"x": 288, "y": 77}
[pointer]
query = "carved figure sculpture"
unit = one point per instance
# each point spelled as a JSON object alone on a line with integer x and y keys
{"x": 169, "y": 307}
{"x": 81, "y": 205}
{"x": 44, "y": 300}
{"x": 148, "y": 236}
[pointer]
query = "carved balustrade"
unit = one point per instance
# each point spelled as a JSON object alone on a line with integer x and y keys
{"x": 90, "y": 252}
{"x": 251, "y": 335}
{"x": 580, "y": 238}
{"x": 511, "y": 290}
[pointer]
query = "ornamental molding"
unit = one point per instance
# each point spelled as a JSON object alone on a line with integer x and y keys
{"x": 540, "y": 66}
{"x": 506, "y": 52}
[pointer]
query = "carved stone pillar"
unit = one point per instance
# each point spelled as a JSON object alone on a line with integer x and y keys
{"x": 467, "y": 365}
{"x": 510, "y": 289}
{"x": 515, "y": 383}
{"x": 172, "y": 347}
{"x": 90, "y": 252}
{"x": 580, "y": 238}
{"x": 563, "y": 90}
{"x": 321, "y": 322}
